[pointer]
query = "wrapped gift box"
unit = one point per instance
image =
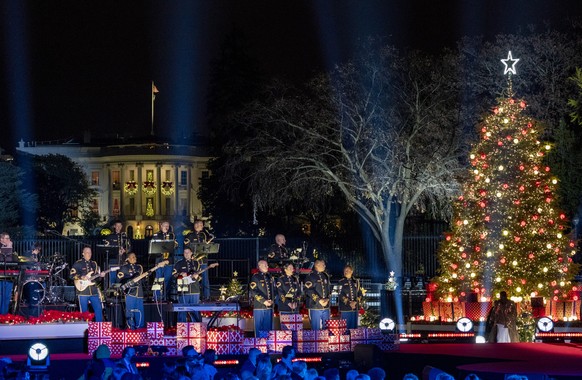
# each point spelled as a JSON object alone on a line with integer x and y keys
{"x": 260, "y": 343}
{"x": 339, "y": 343}
{"x": 477, "y": 311}
{"x": 336, "y": 326}
{"x": 155, "y": 330}
{"x": 451, "y": 311}
{"x": 389, "y": 342}
{"x": 99, "y": 329}
{"x": 430, "y": 309}
{"x": 365, "y": 336}
{"x": 200, "y": 344}
{"x": 263, "y": 334}
{"x": 171, "y": 343}
{"x": 277, "y": 339}
{"x": 291, "y": 322}
{"x": 191, "y": 329}
{"x": 129, "y": 337}
{"x": 311, "y": 341}
{"x": 225, "y": 342}
{"x": 559, "y": 310}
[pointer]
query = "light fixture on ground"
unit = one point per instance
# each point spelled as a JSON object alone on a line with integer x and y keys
{"x": 545, "y": 324}
{"x": 387, "y": 324}
{"x": 464, "y": 324}
{"x": 38, "y": 358}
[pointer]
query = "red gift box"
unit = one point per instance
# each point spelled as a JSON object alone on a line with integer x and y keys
{"x": 291, "y": 322}
{"x": 430, "y": 309}
{"x": 99, "y": 329}
{"x": 94, "y": 342}
{"x": 225, "y": 342}
{"x": 200, "y": 344}
{"x": 155, "y": 330}
{"x": 451, "y": 311}
{"x": 129, "y": 337}
{"x": 191, "y": 329}
{"x": 311, "y": 341}
{"x": 339, "y": 343}
{"x": 477, "y": 311}
{"x": 365, "y": 336}
{"x": 277, "y": 339}
{"x": 260, "y": 343}
{"x": 337, "y": 326}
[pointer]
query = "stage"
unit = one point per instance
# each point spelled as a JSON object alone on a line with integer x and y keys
{"x": 561, "y": 361}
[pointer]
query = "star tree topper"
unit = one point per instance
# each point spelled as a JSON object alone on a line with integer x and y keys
{"x": 510, "y": 63}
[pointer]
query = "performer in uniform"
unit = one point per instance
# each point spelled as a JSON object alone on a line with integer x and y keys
{"x": 350, "y": 298}
{"x": 278, "y": 254}
{"x": 82, "y": 270}
{"x": 164, "y": 275}
{"x": 261, "y": 291}
{"x": 288, "y": 291}
{"x": 186, "y": 271}
{"x": 134, "y": 309}
{"x": 6, "y": 285}
{"x": 317, "y": 293}
{"x": 118, "y": 239}
{"x": 200, "y": 236}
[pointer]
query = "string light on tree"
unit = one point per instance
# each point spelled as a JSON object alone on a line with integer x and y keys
{"x": 507, "y": 221}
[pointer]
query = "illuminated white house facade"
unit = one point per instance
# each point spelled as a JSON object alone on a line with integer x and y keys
{"x": 140, "y": 184}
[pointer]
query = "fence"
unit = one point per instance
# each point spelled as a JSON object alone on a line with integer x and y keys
{"x": 241, "y": 254}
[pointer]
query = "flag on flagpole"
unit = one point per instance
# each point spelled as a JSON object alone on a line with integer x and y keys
{"x": 154, "y": 90}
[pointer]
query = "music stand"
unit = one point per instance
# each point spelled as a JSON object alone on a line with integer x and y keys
{"x": 159, "y": 247}
{"x": 202, "y": 250}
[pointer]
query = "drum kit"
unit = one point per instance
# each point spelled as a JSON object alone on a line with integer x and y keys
{"x": 43, "y": 282}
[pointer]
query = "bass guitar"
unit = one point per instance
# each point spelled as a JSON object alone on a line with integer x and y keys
{"x": 187, "y": 280}
{"x": 84, "y": 284}
{"x": 135, "y": 280}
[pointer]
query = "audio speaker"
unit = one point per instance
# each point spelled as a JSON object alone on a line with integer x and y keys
{"x": 367, "y": 356}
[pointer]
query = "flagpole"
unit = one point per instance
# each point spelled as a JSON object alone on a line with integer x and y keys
{"x": 154, "y": 90}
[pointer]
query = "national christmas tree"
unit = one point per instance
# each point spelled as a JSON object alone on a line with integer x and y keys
{"x": 507, "y": 230}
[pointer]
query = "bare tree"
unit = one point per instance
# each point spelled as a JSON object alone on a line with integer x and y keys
{"x": 382, "y": 130}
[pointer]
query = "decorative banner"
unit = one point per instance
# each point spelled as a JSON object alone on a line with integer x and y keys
{"x": 130, "y": 187}
{"x": 167, "y": 188}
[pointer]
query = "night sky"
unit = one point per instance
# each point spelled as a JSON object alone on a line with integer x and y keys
{"x": 71, "y": 66}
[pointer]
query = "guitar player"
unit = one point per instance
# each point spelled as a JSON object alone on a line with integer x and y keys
{"x": 186, "y": 270}
{"x": 134, "y": 310}
{"x": 81, "y": 272}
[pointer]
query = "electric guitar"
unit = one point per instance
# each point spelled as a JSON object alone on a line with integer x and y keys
{"x": 187, "y": 280}
{"x": 84, "y": 284}
{"x": 135, "y": 280}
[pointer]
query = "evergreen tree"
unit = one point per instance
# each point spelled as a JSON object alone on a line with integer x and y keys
{"x": 507, "y": 232}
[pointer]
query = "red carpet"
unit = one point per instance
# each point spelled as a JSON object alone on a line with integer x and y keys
{"x": 556, "y": 360}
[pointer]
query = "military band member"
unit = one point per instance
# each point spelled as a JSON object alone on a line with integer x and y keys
{"x": 134, "y": 309}
{"x": 81, "y": 271}
{"x": 188, "y": 281}
{"x": 163, "y": 277}
{"x": 200, "y": 236}
{"x": 288, "y": 291}
{"x": 261, "y": 291}
{"x": 350, "y": 297}
{"x": 317, "y": 293}
{"x": 278, "y": 253}
{"x": 119, "y": 242}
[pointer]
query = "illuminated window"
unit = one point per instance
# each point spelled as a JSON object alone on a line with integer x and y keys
{"x": 183, "y": 178}
{"x": 94, "y": 178}
{"x": 115, "y": 178}
{"x": 168, "y": 175}
{"x": 132, "y": 206}
{"x": 132, "y": 175}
